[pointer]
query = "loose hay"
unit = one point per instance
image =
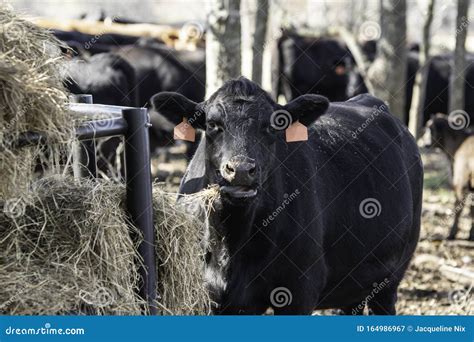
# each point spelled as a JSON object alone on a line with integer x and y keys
{"x": 68, "y": 250}
{"x": 32, "y": 98}
{"x": 179, "y": 252}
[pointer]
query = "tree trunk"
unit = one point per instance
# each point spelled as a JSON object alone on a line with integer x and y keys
{"x": 415, "y": 117}
{"x": 223, "y": 44}
{"x": 388, "y": 72}
{"x": 258, "y": 46}
{"x": 456, "y": 84}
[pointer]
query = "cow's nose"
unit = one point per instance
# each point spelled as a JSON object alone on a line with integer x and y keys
{"x": 239, "y": 171}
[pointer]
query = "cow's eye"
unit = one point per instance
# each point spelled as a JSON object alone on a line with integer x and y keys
{"x": 213, "y": 126}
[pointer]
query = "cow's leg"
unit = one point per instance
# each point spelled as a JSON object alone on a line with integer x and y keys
{"x": 301, "y": 309}
{"x": 458, "y": 207}
{"x": 298, "y": 303}
{"x": 384, "y": 302}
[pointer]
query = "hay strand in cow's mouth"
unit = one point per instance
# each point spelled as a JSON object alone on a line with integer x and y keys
{"x": 180, "y": 253}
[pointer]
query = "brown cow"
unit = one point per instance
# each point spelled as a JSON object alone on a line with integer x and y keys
{"x": 458, "y": 145}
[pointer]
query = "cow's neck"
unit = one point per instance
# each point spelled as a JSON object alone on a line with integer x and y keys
{"x": 452, "y": 141}
{"x": 236, "y": 224}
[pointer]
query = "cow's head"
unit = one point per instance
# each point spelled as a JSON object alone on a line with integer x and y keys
{"x": 242, "y": 129}
{"x": 435, "y": 130}
{"x": 318, "y": 66}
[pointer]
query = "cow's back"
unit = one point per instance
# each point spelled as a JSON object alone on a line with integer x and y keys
{"x": 360, "y": 177}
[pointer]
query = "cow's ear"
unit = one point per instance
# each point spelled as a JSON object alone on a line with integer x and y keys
{"x": 307, "y": 108}
{"x": 175, "y": 107}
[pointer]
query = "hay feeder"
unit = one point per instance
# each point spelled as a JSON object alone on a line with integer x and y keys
{"x": 132, "y": 124}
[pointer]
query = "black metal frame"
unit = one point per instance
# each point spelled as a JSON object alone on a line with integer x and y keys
{"x": 133, "y": 125}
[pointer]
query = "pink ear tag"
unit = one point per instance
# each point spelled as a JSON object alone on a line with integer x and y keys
{"x": 184, "y": 131}
{"x": 296, "y": 132}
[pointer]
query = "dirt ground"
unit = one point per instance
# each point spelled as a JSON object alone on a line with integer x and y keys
{"x": 426, "y": 288}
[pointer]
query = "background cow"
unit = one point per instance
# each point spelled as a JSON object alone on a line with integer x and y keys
{"x": 458, "y": 146}
{"x": 306, "y": 65}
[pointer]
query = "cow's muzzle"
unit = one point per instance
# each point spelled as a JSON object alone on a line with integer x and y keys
{"x": 239, "y": 174}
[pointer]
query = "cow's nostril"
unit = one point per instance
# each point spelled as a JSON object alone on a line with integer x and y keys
{"x": 229, "y": 168}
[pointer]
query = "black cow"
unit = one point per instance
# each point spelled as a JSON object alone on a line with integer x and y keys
{"x": 89, "y": 39}
{"x": 307, "y": 65}
{"x": 107, "y": 76}
{"x": 110, "y": 79}
{"x": 295, "y": 227}
{"x": 437, "y": 84}
{"x": 160, "y": 70}
{"x": 457, "y": 143}
{"x": 437, "y": 91}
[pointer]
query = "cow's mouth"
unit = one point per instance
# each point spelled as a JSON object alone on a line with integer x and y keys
{"x": 239, "y": 191}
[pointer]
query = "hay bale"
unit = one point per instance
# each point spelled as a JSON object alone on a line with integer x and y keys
{"x": 68, "y": 250}
{"x": 179, "y": 252}
{"x": 32, "y": 97}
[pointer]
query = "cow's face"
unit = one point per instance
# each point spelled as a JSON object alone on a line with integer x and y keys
{"x": 241, "y": 132}
{"x": 240, "y": 142}
{"x": 435, "y": 127}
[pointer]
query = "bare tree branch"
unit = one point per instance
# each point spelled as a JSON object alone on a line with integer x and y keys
{"x": 223, "y": 44}
{"x": 388, "y": 72}
{"x": 456, "y": 84}
{"x": 419, "y": 88}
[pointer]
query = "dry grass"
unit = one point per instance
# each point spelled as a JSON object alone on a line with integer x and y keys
{"x": 60, "y": 254}
{"x": 32, "y": 98}
{"x": 179, "y": 251}
{"x": 68, "y": 248}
